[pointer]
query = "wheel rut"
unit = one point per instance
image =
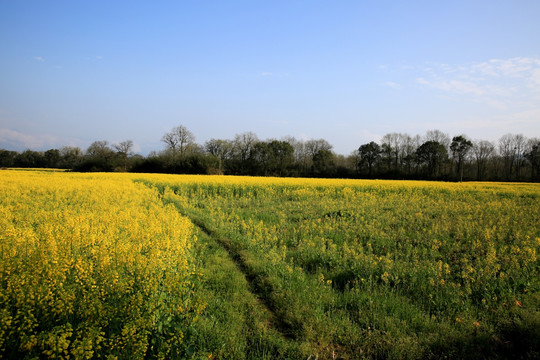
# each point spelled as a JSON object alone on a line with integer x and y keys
{"x": 257, "y": 284}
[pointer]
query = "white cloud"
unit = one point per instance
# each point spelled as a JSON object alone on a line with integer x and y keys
{"x": 266, "y": 73}
{"x": 15, "y": 140}
{"x": 454, "y": 86}
{"x": 99, "y": 57}
{"x": 535, "y": 77}
{"x": 514, "y": 67}
{"x": 499, "y": 83}
{"x": 39, "y": 58}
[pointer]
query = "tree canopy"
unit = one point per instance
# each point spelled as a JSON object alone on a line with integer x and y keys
{"x": 397, "y": 156}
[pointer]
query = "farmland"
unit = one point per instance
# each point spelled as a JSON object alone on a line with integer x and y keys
{"x": 164, "y": 266}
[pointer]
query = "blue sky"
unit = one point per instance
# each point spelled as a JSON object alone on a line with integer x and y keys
{"x": 73, "y": 72}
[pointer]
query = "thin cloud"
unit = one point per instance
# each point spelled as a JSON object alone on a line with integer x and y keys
{"x": 515, "y": 67}
{"x": 499, "y": 83}
{"x": 15, "y": 140}
{"x": 535, "y": 78}
{"x": 454, "y": 86}
{"x": 39, "y": 58}
{"x": 392, "y": 85}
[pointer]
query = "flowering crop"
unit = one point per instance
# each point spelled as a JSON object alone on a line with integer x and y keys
{"x": 91, "y": 265}
{"x": 97, "y": 265}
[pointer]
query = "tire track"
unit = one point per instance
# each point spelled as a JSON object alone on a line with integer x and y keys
{"x": 257, "y": 284}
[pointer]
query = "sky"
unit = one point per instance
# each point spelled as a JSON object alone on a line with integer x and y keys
{"x": 73, "y": 72}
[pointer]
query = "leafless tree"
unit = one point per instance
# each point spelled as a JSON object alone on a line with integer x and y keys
{"x": 301, "y": 153}
{"x": 520, "y": 145}
{"x": 99, "y": 149}
{"x": 483, "y": 150}
{"x": 438, "y": 136}
{"x": 124, "y": 149}
{"x": 243, "y": 144}
{"x": 179, "y": 140}
{"x": 512, "y": 150}
{"x": 314, "y": 146}
{"x": 221, "y": 149}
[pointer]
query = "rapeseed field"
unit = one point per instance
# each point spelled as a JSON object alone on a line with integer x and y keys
{"x": 91, "y": 266}
{"x": 168, "y": 266}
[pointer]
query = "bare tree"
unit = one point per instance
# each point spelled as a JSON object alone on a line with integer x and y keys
{"x": 179, "y": 140}
{"x": 301, "y": 154}
{"x": 353, "y": 161}
{"x": 520, "y": 146}
{"x": 512, "y": 150}
{"x": 124, "y": 149}
{"x": 99, "y": 157}
{"x": 99, "y": 149}
{"x": 409, "y": 146}
{"x": 221, "y": 149}
{"x": 243, "y": 144}
{"x": 392, "y": 144}
{"x": 71, "y": 156}
{"x": 314, "y": 146}
{"x": 71, "y": 151}
{"x": 507, "y": 152}
{"x": 297, "y": 145}
{"x": 482, "y": 151}
{"x": 438, "y": 136}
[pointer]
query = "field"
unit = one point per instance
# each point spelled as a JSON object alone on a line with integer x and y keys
{"x": 163, "y": 266}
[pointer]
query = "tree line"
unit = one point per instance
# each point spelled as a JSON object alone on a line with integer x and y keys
{"x": 397, "y": 156}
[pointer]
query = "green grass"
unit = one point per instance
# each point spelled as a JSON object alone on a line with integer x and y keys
{"x": 236, "y": 323}
{"x": 365, "y": 272}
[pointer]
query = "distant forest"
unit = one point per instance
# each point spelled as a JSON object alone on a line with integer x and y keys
{"x": 434, "y": 156}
